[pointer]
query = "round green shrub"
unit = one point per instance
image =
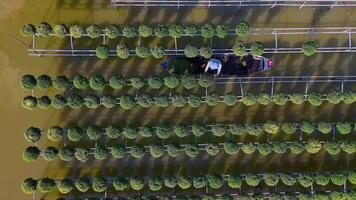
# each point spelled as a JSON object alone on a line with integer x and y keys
{"x": 215, "y": 181}
{"x": 46, "y": 185}
{"x": 162, "y": 101}
{"x": 59, "y": 101}
{"x": 184, "y": 182}
{"x": 137, "y": 183}
{"x": 212, "y": 149}
{"x": 44, "y": 82}
{"x": 231, "y": 148}
{"x": 65, "y": 186}
{"x": 82, "y": 184}
{"x": 61, "y": 83}
{"x": 190, "y": 30}
{"x": 198, "y": 129}
{"x": 253, "y": 129}
{"x": 75, "y": 134}
{"x": 75, "y": 101}
{"x": 338, "y": 178}
{"x": 145, "y": 100}
{"x": 163, "y": 131}
{"x": 289, "y": 127}
{"x": 199, "y": 181}
{"x": 99, "y": 184}
{"x": 242, "y": 28}
{"x": 239, "y": 48}
{"x": 145, "y": 31}
{"x": 93, "y": 31}
{"x": 310, "y": 47}
{"x": 157, "y": 52}
{"x": 76, "y": 31}
{"x": 208, "y": 30}
{"x": 322, "y": 178}
{"x": 174, "y": 150}
{"x": 230, "y": 99}
{"x": 137, "y": 151}
{"x": 178, "y": 100}
{"x": 102, "y": 51}
{"x": 252, "y": 180}
{"x": 222, "y": 31}
{"x": 271, "y": 127}
{"x": 44, "y": 102}
{"x": 192, "y": 150}
{"x": 80, "y": 82}
{"x": 176, "y": 30}
{"x": 334, "y": 97}
{"x": 324, "y": 127}
{"x": 315, "y": 98}
{"x": 120, "y": 183}
{"x": 280, "y": 98}
{"x": 55, "y": 133}
{"x": 218, "y": 129}
{"x": 349, "y": 97}
{"x": 97, "y": 82}
{"x": 94, "y": 132}
{"x": 61, "y": 30}
{"x": 264, "y": 99}
{"x": 155, "y": 81}
{"x": 237, "y": 129}
{"x": 248, "y": 148}
{"x": 191, "y": 51}
{"x": 180, "y": 130}
{"x": 130, "y": 132}
{"x": 296, "y": 98}
{"x": 297, "y": 147}
{"x": 170, "y": 181}
{"x": 234, "y": 181}
{"x": 156, "y": 150}
{"x": 161, "y": 31}
{"x": 343, "y": 127}
{"x": 313, "y": 146}
{"x": 279, "y": 147}
{"x": 257, "y": 49}
{"x": 81, "y": 154}
{"x": 155, "y": 183}
{"x": 101, "y": 152}
{"x": 305, "y": 180}
{"x": 29, "y": 102}
{"x": 171, "y": 81}
{"x": 50, "y": 153}
{"x": 31, "y": 154}
{"x": 44, "y": 29}
{"x": 265, "y": 148}
{"x": 112, "y": 31}
{"x": 92, "y": 101}
{"x": 205, "y": 52}
{"x": 118, "y": 151}
{"x": 28, "y": 82}
{"x": 288, "y": 179}
{"x": 212, "y": 99}
{"x": 270, "y": 179}
{"x": 28, "y": 30}
{"x": 129, "y": 32}
{"x": 32, "y": 134}
{"x": 122, "y": 51}
{"x": 249, "y": 99}
{"x": 349, "y": 146}
{"x": 137, "y": 82}
{"x": 307, "y": 127}
{"x": 127, "y": 102}
{"x": 188, "y": 81}
{"x": 66, "y": 153}
{"x": 205, "y": 80}
{"x": 116, "y": 81}
{"x": 146, "y": 131}
{"x": 29, "y": 185}
{"x": 351, "y": 176}
{"x": 332, "y": 147}
{"x": 194, "y": 101}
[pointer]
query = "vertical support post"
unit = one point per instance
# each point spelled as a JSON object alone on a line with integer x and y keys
{"x": 334, "y": 130}
{"x": 104, "y": 38}
{"x": 241, "y": 87}
{"x": 275, "y": 41}
{"x": 350, "y": 39}
{"x": 342, "y": 85}
{"x": 335, "y": 3}
{"x": 306, "y": 87}
{"x": 175, "y": 44}
{"x": 71, "y": 44}
{"x": 272, "y": 87}
{"x": 33, "y": 44}
{"x": 301, "y": 6}
{"x": 178, "y": 5}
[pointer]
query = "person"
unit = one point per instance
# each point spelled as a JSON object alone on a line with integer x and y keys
{"x": 215, "y": 65}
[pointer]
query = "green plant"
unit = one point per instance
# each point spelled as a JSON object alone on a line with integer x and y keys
{"x": 271, "y": 127}
{"x": 297, "y": 147}
{"x": 343, "y": 127}
{"x": 222, "y": 31}
{"x": 145, "y": 100}
{"x": 174, "y": 150}
{"x": 75, "y": 101}
{"x": 66, "y": 153}
{"x": 170, "y": 181}
{"x": 175, "y": 30}
{"x": 156, "y": 150}
{"x": 109, "y": 101}
{"x": 249, "y": 99}
{"x": 161, "y": 31}
{"x": 75, "y": 134}
{"x": 280, "y": 98}
{"x": 184, "y": 182}
{"x": 155, "y": 81}
{"x": 137, "y": 82}
{"x": 92, "y": 101}
{"x": 180, "y": 130}
{"x": 28, "y": 82}
{"x": 349, "y": 97}
{"x": 116, "y": 81}
{"x": 136, "y": 183}
{"x": 163, "y": 131}
{"x": 234, "y": 181}
{"x": 127, "y": 102}
{"x": 112, "y": 31}
{"x": 130, "y": 132}
{"x": 162, "y": 101}
{"x": 28, "y": 30}
{"x": 307, "y": 127}
{"x": 239, "y": 48}
{"x": 44, "y": 82}
{"x": 270, "y": 179}
{"x": 230, "y": 99}
{"x": 238, "y": 129}
{"x": 205, "y": 81}
{"x": 157, "y": 52}
{"x": 32, "y": 134}
{"x": 190, "y": 30}
{"x": 198, "y": 129}
{"x": 252, "y": 180}
{"x": 171, "y": 81}
{"x": 192, "y": 150}
{"x": 212, "y": 99}
{"x": 289, "y": 127}
{"x": 265, "y": 148}
{"x": 102, "y": 51}
{"x": 322, "y": 178}
{"x": 191, "y": 51}
{"x": 61, "y": 30}
{"x": 218, "y": 129}
{"x": 142, "y": 51}
{"x": 101, "y": 152}
{"x": 129, "y": 32}
{"x": 315, "y": 98}
{"x": 80, "y": 82}
{"x": 29, "y": 185}
{"x": 61, "y": 83}
{"x": 59, "y": 101}
{"x": 205, "y": 52}
{"x": 137, "y": 151}
{"x": 122, "y": 51}
{"x": 288, "y": 179}
{"x": 349, "y": 146}
{"x": 208, "y": 30}
{"x": 29, "y": 102}
{"x": 155, "y": 183}
{"x": 257, "y": 48}
{"x": 99, "y": 184}
{"x": 215, "y": 181}
{"x": 45, "y": 185}
{"x": 212, "y": 149}
{"x": 31, "y": 154}
{"x": 334, "y": 97}
{"x": 44, "y": 29}
{"x": 296, "y": 98}
{"x": 248, "y": 148}
{"x": 338, "y": 177}
{"x": 199, "y": 181}
{"x": 76, "y": 31}
{"x": 188, "y": 81}
{"x": 231, "y": 148}
{"x": 81, "y": 154}
{"x": 44, "y": 102}
{"x": 313, "y": 146}
{"x": 324, "y": 127}
{"x": 264, "y": 99}
{"x": 305, "y": 180}
{"x": 120, "y": 183}
{"x": 93, "y": 31}
{"x": 279, "y": 147}
{"x": 146, "y": 131}
{"x": 145, "y": 31}
{"x": 65, "y": 186}
{"x": 310, "y": 47}
{"x": 118, "y": 151}
{"x": 55, "y": 133}
{"x": 178, "y": 100}
{"x": 82, "y": 184}
{"x": 50, "y": 153}
{"x": 242, "y": 28}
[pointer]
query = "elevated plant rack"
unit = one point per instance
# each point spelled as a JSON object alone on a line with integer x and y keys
{"x": 274, "y": 33}
{"x": 233, "y": 3}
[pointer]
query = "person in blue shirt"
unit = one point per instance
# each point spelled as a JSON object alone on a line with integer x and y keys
{"x": 215, "y": 65}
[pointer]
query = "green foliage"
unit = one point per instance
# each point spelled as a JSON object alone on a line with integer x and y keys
{"x": 137, "y": 151}
{"x": 155, "y": 81}
{"x": 81, "y": 154}
{"x": 170, "y": 181}
{"x": 142, "y": 51}
{"x": 120, "y": 183}
{"x": 215, "y": 181}
{"x": 289, "y": 127}
{"x": 146, "y": 131}
{"x": 44, "y": 102}
{"x": 222, "y": 31}
{"x": 28, "y": 82}
{"x": 80, "y": 82}
{"x": 55, "y": 133}
{"x": 351, "y": 176}
{"x": 118, "y": 151}
{"x": 343, "y": 127}
{"x": 28, "y": 30}
{"x": 349, "y": 146}
{"x": 75, "y": 101}
{"x": 171, "y": 81}
{"x": 112, "y": 31}
{"x": 265, "y": 148}
{"x": 212, "y": 149}
{"x": 61, "y": 83}
{"x": 218, "y": 129}
{"x": 279, "y": 147}
{"x": 199, "y": 181}
{"x": 59, "y": 101}
{"x": 205, "y": 52}
{"x": 76, "y": 31}
{"x": 29, "y": 102}
{"x": 257, "y": 48}
{"x": 296, "y": 98}
{"x": 29, "y": 185}
{"x": 66, "y": 153}
{"x": 161, "y": 31}
{"x": 305, "y": 180}
{"x": 50, "y": 153}
{"x": 270, "y": 179}
{"x": 212, "y": 99}
{"x": 280, "y": 98}
{"x": 271, "y": 127}
{"x": 249, "y": 99}
{"x": 191, "y": 30}
{"x": 198, "y": 129}
{"x": 192, "y": 150}
{"x": 208, "y": 30}
{"x": 32, "y": 134}
{"x": 189, "y": 81}
{"x": 44, "y": 82}
{"x": 162, "y": 101}
{"x": 322, "y": 178}
{"x": 264, "y": 99}
{"x": 332, "y": 147}
{"x": 116, "y": 82}
{"x": 137, "y": 183}
{"x": 324, "y": 127}
{"x": 234, "y": 181}
{"x": 93, "y": 31}
{"x": 230, "y": 99}
{"x": 145, "y": 31}
{"x": 296, "y": 147}
{"x": 174, "y": 150}
{"x": 338, "y": 178}
{"x": 313, "y": 146}
{"x": 102, "y": 51}
{"x": 180, "y": 131}
{"x": 145, "y": 100}
{"x": 61, "y": 30}
{"x": 137, "y": 82}
{"x": 99, "y": 184}
{"x": 334, "y": 97}
{"x": 156, "y": 150}
{"x": 288, "y": 179}
{"x": 46, "y": 185}
{"x": 252, "y": 180}
{"x": 178, "y": 100}
{"x": 307, "y": 127}
{"x": 101, "y": 152}
{"x": 122, "y": 51}
{"x": 349, "y": 97}
{"x": 239, "y": 48}
{"x": 163, "y": 131}
{"x": 242, "y": 28}
{"x": 205, "y": 81}
{"x": 127, "y": 102}
{"x": 237, "y": 129}
{"x": 248, "y": 148}
{"x": 65, "y": 186}
{"x": 130, "y": 132}
{"x": 155, "y": 183}
{"x": 44, "y": 29}
{"x": 157, "y": 52}
{"x": 31, "y": 154}
{"x": 310, "y": 47}
{"x": 184, "y": 182}
{"x": 191, "y": 51}
{"x": 129, "y": 32}
{"x": 92, "y": 101}
{"x": 315, "y": 98}
{"x": 82, "y": 184}
{"x": 176, "y": 30}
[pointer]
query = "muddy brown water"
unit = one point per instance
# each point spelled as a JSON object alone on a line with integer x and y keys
{"x": 14, "y": 63}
